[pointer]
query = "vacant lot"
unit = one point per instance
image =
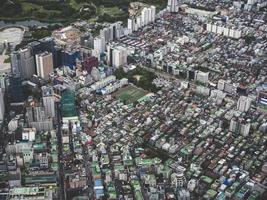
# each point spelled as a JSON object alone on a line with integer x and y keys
{"x": 129, "y": 94}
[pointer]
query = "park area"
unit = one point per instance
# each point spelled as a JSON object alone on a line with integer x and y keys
{"x": 129, "y": 94}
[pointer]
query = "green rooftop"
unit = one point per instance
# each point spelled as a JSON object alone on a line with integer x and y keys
{"x": 211, "y": 193}
{"x": 25, "y": 191}
{"x": 68, "y": 105}
{"x": 41, "y": 179}
{"x": 206, "y": 179}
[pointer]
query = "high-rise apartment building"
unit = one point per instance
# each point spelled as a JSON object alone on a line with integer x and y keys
{"x": 172, "y": 6}
{"x": 148, "y": 15}
{"x": 117, "y": 56}
{"x": 244, "y": 103}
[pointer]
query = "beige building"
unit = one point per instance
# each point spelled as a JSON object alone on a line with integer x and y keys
{"x": 44, "y": 64}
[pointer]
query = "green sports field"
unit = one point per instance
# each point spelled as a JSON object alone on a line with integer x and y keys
{"x": 129, "y": 94}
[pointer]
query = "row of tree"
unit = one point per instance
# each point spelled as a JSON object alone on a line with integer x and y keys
{"x": 145, "y": 81}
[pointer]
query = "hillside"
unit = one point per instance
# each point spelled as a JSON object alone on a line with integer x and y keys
{"x": 66, "y": 11}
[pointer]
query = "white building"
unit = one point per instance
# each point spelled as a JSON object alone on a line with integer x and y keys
{"x": 219, "y": 29}
{"x": 117, "y": 56}
{"x": 112, "y": 88}
{"x": 131, "y": 25}
{"x": 220, "y": 85}
{"x": 44, "y": 64}
{"x": 99, "y": 46}
{"x": 145, "y": 16}
{"x": 202, "y": 76}
{"x": 244, "y": 103}
{"x": 28, "y": 134}
{"x": 172, "y": 6}
{"x": 148, "y": 15}
{"x": 104, "y": 82}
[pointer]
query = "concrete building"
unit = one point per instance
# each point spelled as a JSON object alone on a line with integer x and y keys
{"x": 22, "y": 63}
{"x": 148, "y": 15}
{"x": 99, "y": 46}
{"x": 2, "y": 105}
{"x": 49, "y": 101}
{"x": 244, "y": 103}
{"x": 35, "y": 113}
{"x": 112, "y": 32}
{"x": 44, "y": 64}
{"x": 203, "y": 77}
{"x": 172, "y": 6}
{"x": 117, "y": 56}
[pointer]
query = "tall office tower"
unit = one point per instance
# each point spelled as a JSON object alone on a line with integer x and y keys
{"x": 49, "y": 101}
{"x": 69, "y": 57}
{"x": 15, "y": 62}
{"x": 172, "y": 6}
{"x": 16, "y": 89}
{"x": 117, "y": 56}
{"x": 44, "y": 64}
{"x": 27, "y": 63}
{"x": 244, "y": 103}
{"x": 57, "y": 57}
{"x": 48, "y": 44}
{"x": 22, "y": 63}
{"x": 36, "y": 47}
{"x": 2, "y": 104}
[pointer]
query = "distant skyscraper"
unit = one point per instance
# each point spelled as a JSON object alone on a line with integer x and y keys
{"x": 172, "y": 6}
{"x": 49, "y": 101}
{"x": 44, "y": 64}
